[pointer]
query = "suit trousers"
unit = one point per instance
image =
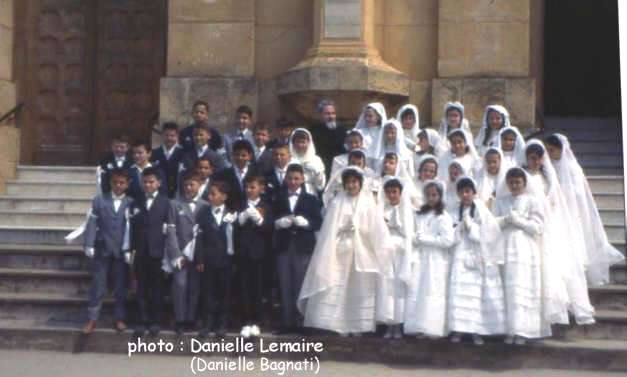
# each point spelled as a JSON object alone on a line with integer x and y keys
{"x": 98, "y": 289}
{"x": 252, "y": 286}
{"x": 186, "y": 293}
{"x": 217, "y": 283}
{"x": 291, "y": 267}
{"x": 150, "y": 282}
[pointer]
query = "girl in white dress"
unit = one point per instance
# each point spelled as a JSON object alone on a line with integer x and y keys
{"x": 357, "y": 158}
{"x": 490, "y": 175}
{"x": 398, "y": 214}
{"x": 390, "y": 167}
{"x": 408, "y": 116}
{"x": 461, "y": 151}
{"x": 451, "y": 199}
{"x": 495, "y": 118}
{"x": 370, "y": 123}
{"x": 303, "y": 152}
{"x": 352, "y": 248}
{"x": 521, "y": 219}
{"x": 354, "y": 140}
{"x": 454, "y": 118}
{"x": 475, "y": 301}
{"x": 512, "y": 144}
{"x": 391, "y": 140}
{"x": 427, "y": 170}
{"x": 425, "y": 305}
{"x": 430, "y": 142}
{"x": 600, "y": 252}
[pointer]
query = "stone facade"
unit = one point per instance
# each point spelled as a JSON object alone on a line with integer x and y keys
{"x": 9, "y": 135}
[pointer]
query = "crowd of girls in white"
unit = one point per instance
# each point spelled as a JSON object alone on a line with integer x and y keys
{"x": 436, "y": 233}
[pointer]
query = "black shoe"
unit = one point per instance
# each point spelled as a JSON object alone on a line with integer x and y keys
{"x": 154, "y": 330}
{"x": 139, "y": 331}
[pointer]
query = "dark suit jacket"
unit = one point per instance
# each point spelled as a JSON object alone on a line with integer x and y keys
{"x": 307, "y": 206}
{"x": 148, "y": 226}
{"x": 136, "y": 186}
{"x": 273, "y": 186}
{"x": 211, "y": 244}
{"x": 237, "y": 195}
{"x": 329, "y": 143}
{"x": 191, "y": 157}
{"x": 251, "y": 241}
{"x": 107, "y": 164}
{"x": 264, "y": 163}
{"x": 186, "y": 139}
{"x": 169, "y": 167}
{"x": 105, "y": 228}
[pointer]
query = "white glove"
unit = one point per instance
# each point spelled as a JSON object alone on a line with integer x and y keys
{"x": 128, "y": 258}
{"x": 90, "y": 252}
{"x": 284, "y": 222}
{"x": 254, "y": 215}
{"x": 229, "y": 218}
{"x": 467, "y": 222}
{"x": 243, "y": 216}
{"x": 301, "y": 222}
{"x": 178, "y": 263}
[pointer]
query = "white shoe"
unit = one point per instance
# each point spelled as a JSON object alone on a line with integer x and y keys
{"x": 456, "y": 337}
{"x": 255, "y": 331}
{"x": 477, "y": 340}
{"x": 509, "y": 339}
{"x": 520, "y": 341}
{"x": 245, "y": 333}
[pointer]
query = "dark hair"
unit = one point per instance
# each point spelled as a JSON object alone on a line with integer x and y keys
{"x": 393, "y": 183}
{"x": 255, "y": 178}
{"x": 280, "y": 146}
{"x": 191, "y": 175}
{"x": 352, "y": 173}
{"x": 222, "y": 186}
{"x": 152, "y": 170}
{"x": 244, "y": 109}
{"x": 390, "y": 155}
{"x": 534, "y": 149}
{"x": 488, "y": 132}
{"x": 301, "y": 135}
{"x": 283, "y": 122}
{"x": 379, "y": 118}
{"x": 432, "y": 160}
{"x": 439, "y": 207}
{"x": 295, "y": 168}
{"x": 143, "y": 143}
{"x": 458, "y": 131}
{"x": 170, "y": 126}
{"x": 240, "y": 145}
{"x": 508, "y": 131}
{"x": 356, "y": 153}
{"x": 407, "y": 112}
{"x": 120, "y": 138}
{"x": 261, "y": 126}
{"x": 554, "y": 141}
{"x": 425, "y": 135}
{"x": 516, "y": 172}
{"x": 355, "y": 133}
{"x": 491, "y": 151}
{"x": 201, "y": 103}
{"x": 205, "y": 158}
{"x": 204, "y": 125}
{"x": 117, "y": 172}
{"x": 463, "y": 183}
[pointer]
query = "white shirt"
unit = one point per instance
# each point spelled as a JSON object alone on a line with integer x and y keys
{"x": 168, "y": 152}
{"x": 293, "y": 198}
{"x": 203, "y": 187}
{"x": 201, "y": 151}
{"x": 192, "y": 205}
{"x": 280, "y": 174}
{"x": 150, "y": 199}
{"x": 119, "y": 161}
{"x": 241, "y": 174}
{"x": 253, "y": 203}
{"x": 117, "y": 201}
{"x": 259, "y": 151}
{"x": 218, "y": 213}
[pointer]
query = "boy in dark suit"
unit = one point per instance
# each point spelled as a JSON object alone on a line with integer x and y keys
{"x": 240, "y": 131}
{"x": 180, "y": 251}
{"x": 263, "y": 154}
{"x": 284, "y": 129}
{"x": 107, "y": 242}
{"x": 242, "y": 156}
{"x": 119, "y": 158}
{"x": 168, "y": 157}
{"x": 213, "y": 258}
{"x": 298, "y": 218}
{"x": 275, "y": 178}
{"x": 202, "y": 136}
{"x": 254, "y": 225}
{"x": 141, "y": 155}
{"x": 200, "y": 114}
{"x": 149, "y": 220}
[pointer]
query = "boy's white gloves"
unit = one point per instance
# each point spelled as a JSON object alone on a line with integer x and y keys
{"x": 128, "y": 258}
{"x": 284, "y": 222}
{"x": 301, "y": 222}
{"x": 90, "y": 252}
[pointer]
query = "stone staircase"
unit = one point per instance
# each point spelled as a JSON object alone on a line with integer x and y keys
{"x": 43, "y": 280}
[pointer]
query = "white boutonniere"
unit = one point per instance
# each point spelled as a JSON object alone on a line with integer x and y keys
{"x": 181, "y": 212}
{"x": 109, "y": 166}
{"x": 270, "y": 185}
{"x": 135, "y": 211}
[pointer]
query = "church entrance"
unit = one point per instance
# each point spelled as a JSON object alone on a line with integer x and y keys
{"x": 87, "y": 69}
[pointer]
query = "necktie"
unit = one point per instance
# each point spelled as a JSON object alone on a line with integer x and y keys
{"x": 240, "y": 136}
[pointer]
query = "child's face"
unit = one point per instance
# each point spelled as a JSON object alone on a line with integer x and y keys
{"x": 151, "y": 184}
{"x": 281, "y": 157}
{"x": 141, "y": 155}
{"x": 190, "y": 188}
{"x": 493, "y": 163}
{"x": 200, "y": 113}
{"x": 243, "y": 121}
{"x": 454, "y": 172}
{"x": 466, "y": 195}
{"x": 118, "y": 184}
{"x": 516, "y": 185}
{"x": 216, "y": 197}
{"x": 169, "y": 138}
{"x": 458, "y": 145}
{"x": 423, "y": 143}
{"x": 390, "y": 134}
{"x": 428, "y": 171}
{"x": 204, "y": 168}
{"x": 555, "y": 153}
{"x": 393, "y": 195}
{"x": 285, "y": 133}
{"x": 389, "y": 166}
{"x": 371, "y": 117}
{"x": 119, "y": 148}
{"x": 201, "y": 137}
{"x": 294, "y": 180}
{"x": 453, "y": 118}
{"x": 253, "y": 190}
{"x": 353, "y": 142}
{"x": 301, "y": 144}
{"x": 495, "y": 120}
{"x": 352, "y": 186}
{"x": 261, "y": 137}
{"x": 408, "y": 121}
{"x": 508, "y": 141}
{"x": 534, "y": 162}
{"x": 241, "y": 158}
{"x": 433, "y": 196}
{"x": 357, "y": 161}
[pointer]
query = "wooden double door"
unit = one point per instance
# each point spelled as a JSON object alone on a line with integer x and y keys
{"x": 87, "y": 70}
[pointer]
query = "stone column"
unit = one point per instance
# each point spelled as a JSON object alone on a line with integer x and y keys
{"x": 484, "y": 58}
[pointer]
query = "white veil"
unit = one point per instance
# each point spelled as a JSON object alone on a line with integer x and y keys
{"x": 486, "y": 127}
{"x": 369, "y": 140}
{"x": 411, "y": 136}
{"x": 519, "y": 147}
{"x": 444, "y": 129}
{"x": 439, "y": 145}
{"x": 486, "y": 190}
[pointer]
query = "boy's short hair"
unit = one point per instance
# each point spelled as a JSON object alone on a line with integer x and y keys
{"x": 261, "y": 126}
{"x": 281, "y": 146}
{"x": 393, "y": 183}
{"x": 192, "y": 175}
{"x": 117, "y": 172}
{"x": 204, "y": 126}
{"x": 170, "y": 126}
{"x": 200, "y": 103}
{"x": 152, "y": 170}
{"x": 204, "y": 158}
{"x": 120, "y": 138}
{"x": 244, "y": 145}
{"x": 283, "y": 122}
{"x": 143, "y": 143}
{"x": 260, "y": 180}
{"x": 222, "y": 186}
{"x": 244, "y": 109}
{"x": 298, "y": 168}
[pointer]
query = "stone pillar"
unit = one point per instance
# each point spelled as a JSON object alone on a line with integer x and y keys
{"x": 484, "y": 58}
{"x": 9, "y": 135}
{"x": 211, "y": 57}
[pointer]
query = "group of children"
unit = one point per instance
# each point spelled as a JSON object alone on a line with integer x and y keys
{"x": 426, "y": 232}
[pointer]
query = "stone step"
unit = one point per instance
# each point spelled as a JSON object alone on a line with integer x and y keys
{"x": 618, "y": 273}
{"x": 611, "y": 147}
{"x": 570, "y": 123}
{"x": 609, "y": 200}
{"x": 592, "y": 136}
{"x": 26, "y": 280}
{"x": 42, "y": 203}
{"x": 41, "y": 218}
{"x": 51, "y": 257}
{"x": 607, "y": 183}
{"x": 610, "y": 324}
{"x": 582, "y": 354}
{"x": 609, "y": 297}
{"x": 74, "y": 189}
{"x": 600, "y": 160}
{"x": 603, "y": 171}
{"x": 56, "y": 173}
{"x": 615, "y": 231}
{"x": 35, "y": 235}
{"x": 612, "y": 216}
